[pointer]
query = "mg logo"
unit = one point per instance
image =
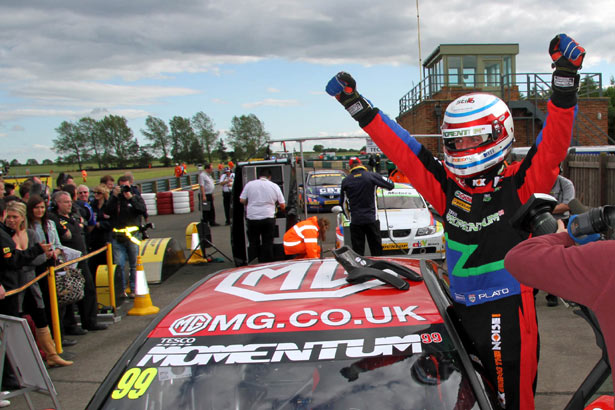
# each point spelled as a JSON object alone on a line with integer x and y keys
{"x": 299, "y": 280}
{"x": 191, "y": 324}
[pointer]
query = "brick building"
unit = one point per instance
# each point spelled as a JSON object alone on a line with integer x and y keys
{"x": 453, "y": 70}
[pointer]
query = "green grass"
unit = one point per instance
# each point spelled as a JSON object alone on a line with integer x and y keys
{"x": 94, "y": 175}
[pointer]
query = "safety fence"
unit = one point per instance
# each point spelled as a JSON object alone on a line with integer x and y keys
{"x": 593, "y": 177}
{"x": 53, "y": 296}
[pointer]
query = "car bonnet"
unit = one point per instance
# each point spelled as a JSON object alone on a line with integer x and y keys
{"x": 303, "y": 295}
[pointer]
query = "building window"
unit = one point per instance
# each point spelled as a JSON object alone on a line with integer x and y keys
{"x": 492, "y": 73}
{"x": 469, "y": 70}
{"x": 454, "y": 70}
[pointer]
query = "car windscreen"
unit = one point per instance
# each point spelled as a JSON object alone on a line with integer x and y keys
{"x": 399, "y": 201}
{"x": 325, "y": 179}
{"x": 378, "y": 368}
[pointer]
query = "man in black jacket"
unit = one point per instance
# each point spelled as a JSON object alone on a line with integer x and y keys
{"x": 359, "y": 187}
{"x": 71, "y": 229}
{"x": 125, "y": 209}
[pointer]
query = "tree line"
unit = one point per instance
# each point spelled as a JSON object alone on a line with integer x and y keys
{"x": 109, "y": 142}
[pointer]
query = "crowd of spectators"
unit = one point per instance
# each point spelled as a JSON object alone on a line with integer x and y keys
{"x": 44, "y": 228}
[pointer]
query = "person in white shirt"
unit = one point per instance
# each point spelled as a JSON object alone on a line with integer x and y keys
{"x": 226, "y": 182}
{"x": 260, "y": 197}
{"x": 206, "y": 184}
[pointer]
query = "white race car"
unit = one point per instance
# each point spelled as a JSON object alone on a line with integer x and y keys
{"x": 406, "y": 224}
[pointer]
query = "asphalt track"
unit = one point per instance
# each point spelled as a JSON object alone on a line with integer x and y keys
{"x": 568, "y": 351}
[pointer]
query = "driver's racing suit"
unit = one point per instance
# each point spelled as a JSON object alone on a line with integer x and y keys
{"x": 496, "y": 312}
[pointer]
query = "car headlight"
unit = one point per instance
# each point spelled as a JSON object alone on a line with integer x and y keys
{"x": 428, "y": 230}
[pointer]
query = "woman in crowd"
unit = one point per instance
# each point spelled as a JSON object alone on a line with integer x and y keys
{"x": 31, "y": 299}
{"x": 101, "y": 234}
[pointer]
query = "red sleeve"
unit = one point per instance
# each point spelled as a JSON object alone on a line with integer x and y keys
{"x": 551, "y": 149}
{"x": 424, "y": 173}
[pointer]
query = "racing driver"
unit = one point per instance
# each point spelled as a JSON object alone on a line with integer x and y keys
{"x": 477, "y": 193}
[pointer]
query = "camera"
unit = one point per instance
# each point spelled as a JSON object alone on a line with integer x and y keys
{"x": 126, "y": 188}
{"x": 143, "y": 229}
{"x": 536, "y": 218}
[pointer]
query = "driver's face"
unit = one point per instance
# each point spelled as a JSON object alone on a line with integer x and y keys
{"x": 468, "y": 142}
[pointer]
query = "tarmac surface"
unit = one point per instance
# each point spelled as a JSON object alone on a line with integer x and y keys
{"x": 567, "y": 344}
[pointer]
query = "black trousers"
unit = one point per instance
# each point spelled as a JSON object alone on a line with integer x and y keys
{"x": 210, "y": 215}
{"x": 226, "y": 200}
{"x": 260, "y": 239}
{"x": 371, "y": 231}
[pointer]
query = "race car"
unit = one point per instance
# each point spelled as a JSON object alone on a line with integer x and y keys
{"x": 322, "y": 190}
{"x": 302, "y": 335}
{"x": 407, "y": 226}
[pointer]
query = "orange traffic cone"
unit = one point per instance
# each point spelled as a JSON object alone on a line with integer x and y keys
{"x": 142, "y": 302}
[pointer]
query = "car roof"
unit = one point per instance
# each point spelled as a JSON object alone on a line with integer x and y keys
{"x": 326, "y": 171}
{"x": 294, "y": 292}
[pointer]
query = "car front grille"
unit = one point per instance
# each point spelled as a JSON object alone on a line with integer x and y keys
{"x": 396, "y": 233}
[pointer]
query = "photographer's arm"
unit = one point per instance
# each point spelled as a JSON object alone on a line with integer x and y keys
{"x": 551, "y": 263}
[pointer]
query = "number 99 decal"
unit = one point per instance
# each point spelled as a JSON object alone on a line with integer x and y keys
{"x": 134, "y": 383}
{"x": 431, "y": 338}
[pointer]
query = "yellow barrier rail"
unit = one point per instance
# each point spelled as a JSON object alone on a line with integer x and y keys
{"x": 53, "y": 296}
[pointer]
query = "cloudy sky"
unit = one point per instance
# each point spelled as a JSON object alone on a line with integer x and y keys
{"x": 66, "y": 59}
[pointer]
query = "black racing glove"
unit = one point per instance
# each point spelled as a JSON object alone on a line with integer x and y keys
{"x": 343, "y": 87}
{"x": 567, "y": 57}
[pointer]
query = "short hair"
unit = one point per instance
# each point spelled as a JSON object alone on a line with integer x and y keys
{"x": 123, "y": 178}
{"x": 264, "y": 172}
{"x": 207, "y": 165}
{"x": 83, "y": 186}
{"x": 71, "y": 189}
{"x": 130, "y": 176}
{"x": 106, "y": 178}
{"x": 24, "y": 188}
{"x": 58, "y": 194}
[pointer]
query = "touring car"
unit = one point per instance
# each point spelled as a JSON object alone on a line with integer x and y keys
{"x": 407, "y": 226}
{"x": 298, "y": 335}
{"x": 322, "y": 190}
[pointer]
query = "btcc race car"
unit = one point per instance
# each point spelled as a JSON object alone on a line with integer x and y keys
{"x": 407, "y": 226}
{"x": 300, "y": 335}
{"x": 322, "y": 190}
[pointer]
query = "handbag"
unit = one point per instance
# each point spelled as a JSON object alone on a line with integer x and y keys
{"x": 70, "y": 286}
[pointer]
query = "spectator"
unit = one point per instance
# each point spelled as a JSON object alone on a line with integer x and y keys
{"x": 45, "y": 229}
{"x": 260, "y": 197}
{"x": 24, "y": 190}
{"x": 101, "y": 234}
{"x": 359, "y": 188}
{"x": 12, "y": 260}
{"x": 71, "y": 229}
{"x": 302, "y": 239}
{"x": 125, "y": 209}
{"x": 563, "y": 191}
{"x": 1, "y": 189}
{"x": 31, "y": 299}
{"x": 109, "y": 181}
{"x": 226, "y": 182}
{"x": 582, "y": 274}
{"x": 206, "y": 185}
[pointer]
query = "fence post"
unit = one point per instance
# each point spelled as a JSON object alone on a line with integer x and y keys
{"x": 602, "y": 178}
{"x": 111, "y": 279}
{"x": 55, "y": 317}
